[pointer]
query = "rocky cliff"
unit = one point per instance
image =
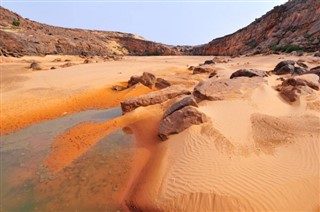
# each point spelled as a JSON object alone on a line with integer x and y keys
{"x": 20, "y": 36}
{"x": 294, "y": 25}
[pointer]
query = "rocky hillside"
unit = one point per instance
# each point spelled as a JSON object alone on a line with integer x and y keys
{"x": 292, "y": 26}
{"x": 21, "y": 36}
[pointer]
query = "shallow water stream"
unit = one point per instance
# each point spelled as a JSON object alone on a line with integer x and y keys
{"x": 94, "y": 181}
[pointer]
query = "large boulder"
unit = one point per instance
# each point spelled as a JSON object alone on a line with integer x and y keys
{"x": 284, "y": 67}
{"x": 152, "y": 98}
{"x": 147, "y": 79}
{"x": 183, "y": 102}
{"x": 214, "y": 89}
{"x": 180, "y": 120}
{"x": 248, "y": 73}
{"x": 162, "y": 83}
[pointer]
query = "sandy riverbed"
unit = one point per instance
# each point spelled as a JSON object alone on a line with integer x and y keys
{"x": 257, "y": 152}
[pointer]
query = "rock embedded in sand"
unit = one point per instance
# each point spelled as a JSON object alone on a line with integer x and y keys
{"x": 202, "y": 69}
{"x": 180, "y": 120}
{"x": 155, "y": 97}
{"x": 214, "y": 89}
{"x": 118, "y": 88}
{"x": 284, "y": 67}
{"x": 208, "y": 62}
{"x": 35, "y": 66}
{"x": 147, "y": 79}
{"x": 292, "y": 88}
{"x": 183, "y": 102}
{"x": 248, "y": 73}
{"x": 162, "y": 83}
{"x": 212, "y": 74}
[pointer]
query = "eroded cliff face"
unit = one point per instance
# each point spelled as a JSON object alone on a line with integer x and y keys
{"x": 296, "y": 24}
{"x": 292, "y": 26}
{"x": 33, "y": 38}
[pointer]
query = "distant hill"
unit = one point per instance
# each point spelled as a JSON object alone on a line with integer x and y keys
{"x": 292, "y": 26}
{"x": 33, "y": 38}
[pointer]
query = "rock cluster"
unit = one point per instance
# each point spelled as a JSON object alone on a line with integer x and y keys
{"x": 149, "y": 80}
{"x": 288, "y": 67}
{"x": 293, "y": 87}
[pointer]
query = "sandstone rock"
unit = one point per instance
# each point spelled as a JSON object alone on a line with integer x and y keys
{"x": 214, "y": 89}
{"x": 248, "y": 73}
{"x": 147, "y": 79}
{"x": 290, "y": 93}
{"x": 53, "y": 67}
{"x": 35, "y": 66}
{"x": 162, "y": 83}
{"x": 185, "y": 101}
{"x": 292, "y": 88}
{"x": 118, "y": 88}
{"x": 284, "y": 67}
{"x": 180, "y": 120}
{"x": 311, "y": 80}
{"x": 133, "y": 80}
{"x": 152, "y": 98}
{"x": 202, "y": 69}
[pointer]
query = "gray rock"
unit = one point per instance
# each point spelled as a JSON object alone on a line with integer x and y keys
{"x": 248, "y": 73}
{"x": 183, "y": 102}
{"x": 284, "y": 67}
{"x": 152, "y": 98}
{"x": 180, "y": 120}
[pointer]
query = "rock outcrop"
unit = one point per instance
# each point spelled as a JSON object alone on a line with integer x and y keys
{"x": 214, "y": 89}
{"x": 180, "y": 120}
{"x": 292, "y": 26}
{"x": 33, "y": 38}
{"x": 291, "y": 89}
{"x": 152, "y": 98}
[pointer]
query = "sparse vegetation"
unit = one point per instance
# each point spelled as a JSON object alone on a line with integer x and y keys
{"x": 15, "y": 22}
{"x": 286, "y": 48}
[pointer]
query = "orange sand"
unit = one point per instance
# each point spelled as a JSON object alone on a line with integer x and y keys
{"x": 95, "y": 99}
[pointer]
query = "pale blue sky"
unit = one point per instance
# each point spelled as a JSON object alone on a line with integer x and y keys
{"x": 177, "y": 23}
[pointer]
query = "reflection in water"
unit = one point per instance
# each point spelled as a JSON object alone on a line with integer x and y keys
{"x": 94, "y": 182}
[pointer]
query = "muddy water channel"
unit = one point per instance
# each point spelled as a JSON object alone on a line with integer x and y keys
{"x": 93, "y": 182}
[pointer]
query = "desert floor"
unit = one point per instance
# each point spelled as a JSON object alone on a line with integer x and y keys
{"x": 258, "y": 152}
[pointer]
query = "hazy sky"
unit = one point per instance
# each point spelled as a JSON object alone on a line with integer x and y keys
{"x": 171, "y": 22}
